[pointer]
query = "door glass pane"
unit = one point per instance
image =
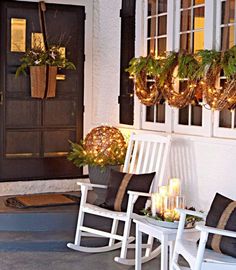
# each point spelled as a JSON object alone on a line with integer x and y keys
{"x": 225, "y": 119}
{"x": 22, "y": 144}
{"x": 198, "y": 18}
{"x": 150, "y": 113}
{"x": 160, "y": 113}
{"x": 56, "y": 142}
{"x": 196, "y": 115}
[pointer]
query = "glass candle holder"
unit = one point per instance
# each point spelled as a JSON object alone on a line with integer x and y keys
{"x": 174, "y": 187}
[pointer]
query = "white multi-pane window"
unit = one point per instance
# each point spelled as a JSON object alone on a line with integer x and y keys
{"x": 225, "y": 121}
{"x": 190, "y": 25}
{"x": 156, "y": 117}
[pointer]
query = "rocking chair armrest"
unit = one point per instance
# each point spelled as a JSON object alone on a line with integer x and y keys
{"x": 208, "y": 229}
{"x": 192, "y": 213}
{"x": 130, "y": 192}
{"x": 89, "y": 185}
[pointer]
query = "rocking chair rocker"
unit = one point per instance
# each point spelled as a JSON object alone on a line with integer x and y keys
{"x": 146, "y": 153}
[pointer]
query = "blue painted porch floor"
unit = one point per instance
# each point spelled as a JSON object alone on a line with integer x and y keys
{"x": 35, "y": 239}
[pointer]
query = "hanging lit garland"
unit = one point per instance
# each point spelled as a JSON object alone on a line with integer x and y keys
{"x": 184, "y": 66}
{"x": 199, "y": 71}
{"x": 145, "y": 73}
{"x": 212, "y": 64}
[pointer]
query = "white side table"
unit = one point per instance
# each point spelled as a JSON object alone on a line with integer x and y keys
{"x": 164, "y": 235}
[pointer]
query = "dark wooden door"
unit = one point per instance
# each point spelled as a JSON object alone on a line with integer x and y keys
{"x": 34, "y": 133}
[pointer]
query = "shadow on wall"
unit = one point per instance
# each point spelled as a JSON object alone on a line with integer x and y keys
{"x": 183, "y": 165}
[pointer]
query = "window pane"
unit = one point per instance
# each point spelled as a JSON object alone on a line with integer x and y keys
{"x": 185, "y": 42}
{"x": 185, "y": 24}
{"x": 198, "y": 18}
{"x": 196, "y": 115}
{"x": 151, "y": 7}
{"x": 185, "y": 3}
{"x": 162, "y": 6}
{"x": 151, "y": 27}
{"x": 227, "y": 16}
{"x": 198, "y": 2}
{"x": 198, "y": 41}
{"x": 150, "y": 114}
{"x": 225, "y": 119}
{"x": 227, "y": 37}
{"x": 160, "y": 113}
{"x": 161, "y": 45}
{"x": 234, "y": 118}
{"x": 183, "y": 116}
{"x": 151, "y": 46}
{"x": 162, "y": 22}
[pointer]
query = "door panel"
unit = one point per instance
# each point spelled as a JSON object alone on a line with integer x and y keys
{"x": 34, "y": 133}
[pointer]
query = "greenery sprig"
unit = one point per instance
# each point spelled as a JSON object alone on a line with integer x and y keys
{"x": 37, "y": 56}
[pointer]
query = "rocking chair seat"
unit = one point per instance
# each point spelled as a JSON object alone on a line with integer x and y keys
{"x": 97, "y": 210}
{"x": 189, "y": 251}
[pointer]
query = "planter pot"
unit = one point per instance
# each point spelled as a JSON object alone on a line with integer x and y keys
{"x": 97, "y": 176}
{"x": 38, "y": 81}
{"x": 51, "y": 87}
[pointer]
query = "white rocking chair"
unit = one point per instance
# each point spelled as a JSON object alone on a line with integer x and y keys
{"x": 197, "y": 256}
{"x": 146, "y": 153}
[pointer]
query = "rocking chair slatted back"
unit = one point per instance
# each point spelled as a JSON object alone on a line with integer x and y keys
{"x": 146, "y": 154}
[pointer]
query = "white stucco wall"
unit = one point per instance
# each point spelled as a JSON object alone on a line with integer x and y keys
{"x": 106, "y": 64}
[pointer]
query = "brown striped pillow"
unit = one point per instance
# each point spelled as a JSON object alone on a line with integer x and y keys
{"x": 222, "y": 215}
{"x": 118, "y": 185}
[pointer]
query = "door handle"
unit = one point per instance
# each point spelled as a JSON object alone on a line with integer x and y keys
{"x": 1, "y": 98}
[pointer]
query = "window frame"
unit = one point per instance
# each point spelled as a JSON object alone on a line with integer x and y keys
{"x": 217, "y": 130}
{"x": 205, "y": 129}
{"x": 167, "y": 125}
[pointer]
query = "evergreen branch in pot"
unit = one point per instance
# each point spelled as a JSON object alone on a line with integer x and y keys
{"x": 102, "y": 146}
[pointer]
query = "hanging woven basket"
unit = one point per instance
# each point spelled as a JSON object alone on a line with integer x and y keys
{"x": 51, "y": 86}
{"x": 38, "y": 81}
